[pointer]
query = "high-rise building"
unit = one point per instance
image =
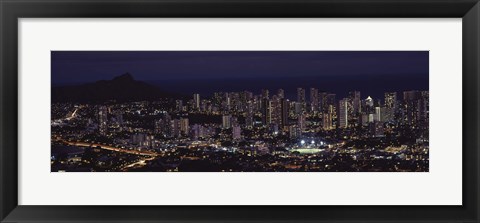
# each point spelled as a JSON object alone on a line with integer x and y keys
{"x": 226, "y": 105}
{"x": 164, "y": 126}
{"x": 356, "y": 102}
{"x": 301, "y": 122}
{"x": 377, "y": 116}
{"x": 298, "y": 108}
{"x": 327, "y": 118}
{"x": 301, "y": 103}
{"x": 276, "y": 110}
{"x": 391, "y": 106}
{"x": 176, "y": 128}
{"x": 416, "y": 107}
{"x": 149, "y": 141}
{"x": 326, "y": 100}
{"x": 301, "y": 95}
{"x": 226, "y": 121}
{"x": 425, "y": 107}
{"x": 330, "y": 99}
{"x": 179, "y": 105}
{"x": 314, "y": 100}
{"x": 196, "y": 101}
{"x": 184, "y": 125}
{"x": 248, "y": 95}
{"x": 285, "y": 105}
{"x": 266, "y": 112}
{"x": 343, "y": 113}
{"x": 236, "y": 132}
{"x": 294, "y": 131}
{"x": 249, "y": 117}
{"x": 197, "y": 131}
{"x": 391, "y": 99}
{"x": 103, "y": 120}
{"x": 368, "y": 106}
{"x": 158, "y": 126}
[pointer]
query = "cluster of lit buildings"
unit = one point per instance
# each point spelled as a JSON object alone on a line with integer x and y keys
{"x": 267, "y": 126}
{"x": 321, "y": 112}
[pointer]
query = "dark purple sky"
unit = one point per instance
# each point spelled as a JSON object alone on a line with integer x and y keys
{"x": 86, "y": 66}
{"x": 335, "y": 71}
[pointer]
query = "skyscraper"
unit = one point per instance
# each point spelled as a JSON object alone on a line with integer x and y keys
{"x": 249, "y": 115}
{"x": 314, "y": 100}
{"x": 326, "y": 100}
{"x": 368, "y": 105}
{"x": 196, "y": 101}
{"x": 179, "y": 105}
{"x": 301, "y": 122}
{"x": 327, "y": 118}
{"x": 391, "y": 106}
{"x": 298, "y": 108}
{"x": 284, "y": 112}
{"x": 184, "y": 125}
{"x": 176, "y": 130}
{"x": 276, "y": 110}
{"x": 226, "y": 121}
{"x": 391, "y": 99}
{"x": 165, "y": 126}
{"x": 266, "y": 112}
{"x": 301, "y": 95}
{"x": 197, "y": 131}
{"x": 377, "y": 117}
{"x": 103, "y": 120}
{"x": 236, "y": 132}
{"x": 416, "y": 107}
{"x": 343, "y": 113}
{"x": 356, "y": 102}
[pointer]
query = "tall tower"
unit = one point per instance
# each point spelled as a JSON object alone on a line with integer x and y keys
{"x": 301, "y": 122}
{"x": 227, "y": 121}
{"x": 391, "y": 106}
{"x": 236, "y": 132}
{"x": 343, "y": 113}
{"x": 412, "y": 100}
{"x": 266, "y": 111}
{"x": 284, "y": 112}
{"x": 356, "y": 102}
{"x": 184, "y": 126}
{"x": 196, "y": 101}
{"x": 301, "y": 95}
{"x": 327, "y": 118}
{"x": 314, "y": 100}
{"x": 249, "y": 117}
{"x": 391, "y": 99}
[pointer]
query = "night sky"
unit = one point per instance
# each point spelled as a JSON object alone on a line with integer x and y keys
{"x": 371, "y": 72}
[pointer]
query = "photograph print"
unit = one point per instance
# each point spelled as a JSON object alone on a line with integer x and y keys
{"x": 239, "y": 111}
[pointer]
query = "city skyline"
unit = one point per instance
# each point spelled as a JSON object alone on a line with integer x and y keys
{"x": 124, "y": 124}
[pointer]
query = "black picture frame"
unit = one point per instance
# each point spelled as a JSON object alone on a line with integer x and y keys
{"x": 12, "y": 10}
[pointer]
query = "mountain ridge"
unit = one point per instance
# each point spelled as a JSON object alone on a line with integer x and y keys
{"x": 122, "y": 88}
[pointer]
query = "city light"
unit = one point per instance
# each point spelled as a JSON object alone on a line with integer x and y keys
{"x": 261, "y": 127}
